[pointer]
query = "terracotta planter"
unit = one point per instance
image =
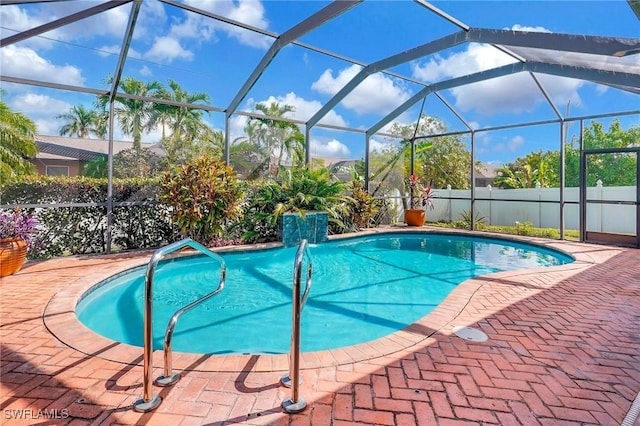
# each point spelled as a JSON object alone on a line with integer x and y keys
{"x": 415, "y": 217}
{"x": 13, "y": 252}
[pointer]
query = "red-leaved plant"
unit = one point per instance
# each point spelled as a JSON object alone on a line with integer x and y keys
{"x": 424, "y": 195}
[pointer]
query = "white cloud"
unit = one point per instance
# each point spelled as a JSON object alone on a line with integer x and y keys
{"x": 16, "y": 19}
{"x": 331, "y": 148}
{"x": 237, "y": 124}
{"x": 166, "y": 50}
{"x": 474, "y": 124}
{"x": 145, "y": 71}
{"x": 153, "y": 136}
{"x": 26, "y": 63}
{"x": 377, "y": 94}
{"x": 109, "y": 23}
{"x": 114, "y": 49}
{"x": 515, "y": 143}
{"x": 600, "y": 89}
{"x": 249, "y": 12}
{"x": 487, "y": 145}
{"x": 196, "y": 28}
{"x": 42, "y": 110}
{"x": 151, "y": 17}
{"x": 112, "y": 22}
{"x": 380, "y": 146}
{"x": 518, "y": 27}
{"x": 515, "y": 94}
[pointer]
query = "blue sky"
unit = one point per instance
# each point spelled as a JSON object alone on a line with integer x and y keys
{"x": 215, "y": 58}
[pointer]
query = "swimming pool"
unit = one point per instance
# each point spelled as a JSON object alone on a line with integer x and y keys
{"x": 363, "y": 288}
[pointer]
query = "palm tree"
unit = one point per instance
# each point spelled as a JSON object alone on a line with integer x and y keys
{"x": 81, "y": 122}
{"x": 184, "y": 122}
{"x": 525, "y": 172}
{"x": 276, "y": 137}
{"x": 134, "y": 115}
{"x": 17, "y": 143}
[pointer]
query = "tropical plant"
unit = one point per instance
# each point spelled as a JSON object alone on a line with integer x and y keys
{"x": 256, "y": 224}
{"x": 300, "y": 190}
{"x": 98, "y": 168}
{"x": 386, "y": 176}
{"x": 523, "y": 177}
{"x": 544, "y": 167}
{"x": 247, "y": 159}
{"x": 420, "y": 196}
{"x": 362, "y": 207}
{"x": 444, "y": 159}
{"x": 184, "y": 122}
{"x": 17, "y": 144}
{"x": 82, "y": 122}
{"x": 525, "y": 172}
{"x": 477, "y": 219}
{"x": 142, "y": 162}
{"x": 18, "y": 224}
{"x": 277, "y": 138}
{"x": 204, "y": 195}
{"x": 134, "y": 115}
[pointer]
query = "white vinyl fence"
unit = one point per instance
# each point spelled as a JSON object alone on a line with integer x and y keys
{"x": 537, "y": 208}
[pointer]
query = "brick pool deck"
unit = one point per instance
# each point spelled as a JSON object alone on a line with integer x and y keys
{"x": 563, "y": 349}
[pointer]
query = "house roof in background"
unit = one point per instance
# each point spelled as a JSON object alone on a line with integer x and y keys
{"x": 486, "y": 170}
{"x": 65, "y": 148}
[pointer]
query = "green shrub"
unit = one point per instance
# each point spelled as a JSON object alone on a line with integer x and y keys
{"x": 297, "y": 190}
{"x": 361, "y": 207}
{"x": 256, "y": 223}
{"x": 72, "y": 230}
{"x": 300, "y": 190}
{"x": 525, "y": 229}
{"x": 467, "y": 220}
{"x": 204, "y": 195}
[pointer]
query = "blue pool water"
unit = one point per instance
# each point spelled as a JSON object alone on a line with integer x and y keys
{"x": 363, "y": 288}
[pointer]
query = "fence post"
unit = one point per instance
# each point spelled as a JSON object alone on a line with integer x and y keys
{"x": 599, "y": 192}
{"x": 539, "y": 188}
{"x": 490, "y": 202}
{"x": 450, "y": 207}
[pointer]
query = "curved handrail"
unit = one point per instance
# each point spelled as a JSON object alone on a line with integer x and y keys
{"x": 297, "y": 404}
{"x": 149, "y": 401}
{"x": 169, "y": 378}
{"x": 302, "y": 251}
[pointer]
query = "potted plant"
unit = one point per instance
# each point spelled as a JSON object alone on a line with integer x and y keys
{"x": 17, "y": 230}
{"x": 420, "y": 199}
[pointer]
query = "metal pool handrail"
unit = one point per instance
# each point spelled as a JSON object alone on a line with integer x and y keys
{"x": 149, "y": 401}
{"x": 296, "y": 403}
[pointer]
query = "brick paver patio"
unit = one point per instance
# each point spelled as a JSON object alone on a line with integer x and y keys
{"x": 563, "y": 349}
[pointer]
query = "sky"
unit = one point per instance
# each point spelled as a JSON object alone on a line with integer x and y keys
{"x": 212, "y": 57}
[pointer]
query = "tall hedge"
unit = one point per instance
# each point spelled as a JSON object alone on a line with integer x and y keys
{"x": 81, "y": 230}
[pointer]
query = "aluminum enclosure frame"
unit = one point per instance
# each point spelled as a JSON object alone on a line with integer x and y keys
{"x": 522, "y": 46}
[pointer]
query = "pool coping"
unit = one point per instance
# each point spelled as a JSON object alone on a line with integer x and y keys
{"x": 60, "y": 319}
